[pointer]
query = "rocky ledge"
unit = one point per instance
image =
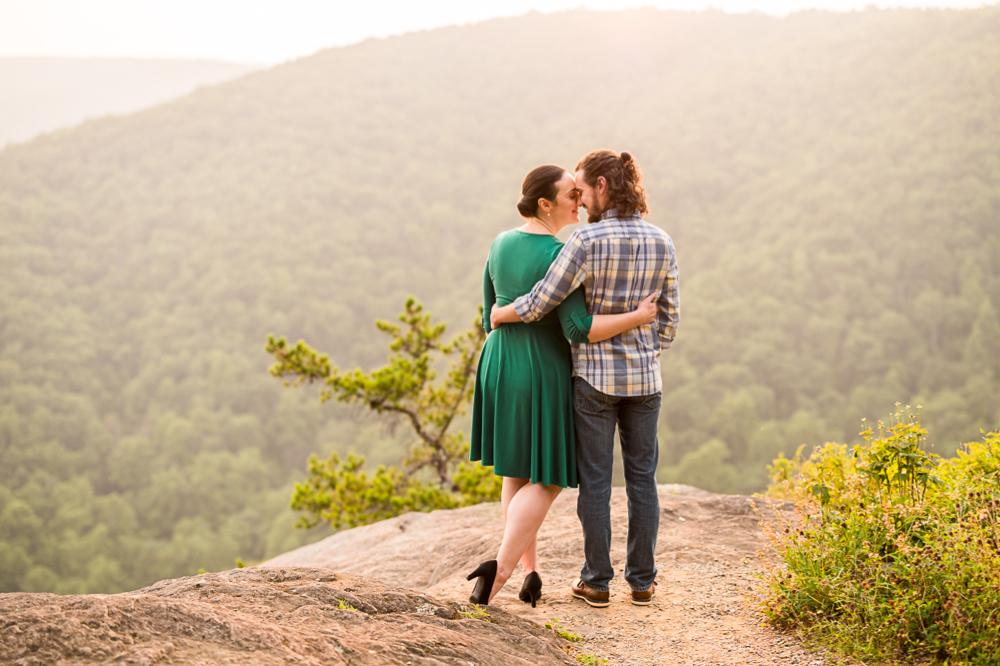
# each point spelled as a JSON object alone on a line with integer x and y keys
{"x": 705, "y": 553}
{"x": 267, "y": 615}
{"x": 321, "y": 604}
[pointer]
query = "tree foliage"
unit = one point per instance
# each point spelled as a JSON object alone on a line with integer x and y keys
{"x": 338, "y": 491}
{"x": 829, "y": 181}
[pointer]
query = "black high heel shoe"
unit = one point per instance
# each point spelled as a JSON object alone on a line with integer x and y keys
{"x": 487, "y": 575}
{"x": 531, "y": 589}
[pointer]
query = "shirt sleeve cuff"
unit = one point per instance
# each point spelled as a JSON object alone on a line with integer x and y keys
{"x": 522, "y": 306}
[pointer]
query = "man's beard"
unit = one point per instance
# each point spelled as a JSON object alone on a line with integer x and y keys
{"x": 593, "y": 214}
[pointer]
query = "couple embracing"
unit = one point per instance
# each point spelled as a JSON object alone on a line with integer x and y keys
{"x": 575, "y": 335}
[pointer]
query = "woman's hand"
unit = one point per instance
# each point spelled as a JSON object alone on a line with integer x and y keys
{"x": 604, "y": 327}
{"x": 503, "y": 315}
{"x": 646, "y": 312}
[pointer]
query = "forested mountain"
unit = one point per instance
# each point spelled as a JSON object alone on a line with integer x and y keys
{"x": 44, "y": 94}
{"x": 830, "y": 181}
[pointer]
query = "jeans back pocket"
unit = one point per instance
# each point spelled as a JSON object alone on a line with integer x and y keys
{"x": 587, "y": 398}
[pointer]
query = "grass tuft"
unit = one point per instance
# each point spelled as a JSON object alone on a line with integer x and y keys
{"x": 562, "y": 633}
{"x": 476, "y": 613}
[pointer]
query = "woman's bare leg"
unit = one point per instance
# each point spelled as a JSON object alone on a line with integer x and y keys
{"x": 508, "y": 489}
{"x": 529, "y": 561}
{"x": 524, "y": 515}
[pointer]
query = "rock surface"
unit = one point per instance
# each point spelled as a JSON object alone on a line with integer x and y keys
{"x": 430, "y": 551}
{"x": 706, "y": 556}
{"x": 266, "y": 615}
{"x": 395, "y": 593}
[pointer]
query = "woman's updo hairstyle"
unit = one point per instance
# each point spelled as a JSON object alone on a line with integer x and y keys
{"x": 541, "y": 183}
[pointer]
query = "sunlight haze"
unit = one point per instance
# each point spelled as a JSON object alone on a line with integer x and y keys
{"x": 249, "y": 254}
{"x": 268, "y": 32}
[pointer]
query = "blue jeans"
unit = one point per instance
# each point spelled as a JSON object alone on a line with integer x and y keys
{"x": 596, "y": 415}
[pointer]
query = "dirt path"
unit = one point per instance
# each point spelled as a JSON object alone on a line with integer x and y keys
{"x": 699, "y": 616}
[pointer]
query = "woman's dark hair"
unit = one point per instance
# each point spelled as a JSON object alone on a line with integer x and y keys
{"x": 625, "y": 190}
{"x": 541, "y": 183}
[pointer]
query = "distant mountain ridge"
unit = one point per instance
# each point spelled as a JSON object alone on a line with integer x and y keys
{"x": 829, "y": 181}
{"x": 40, "y": 95}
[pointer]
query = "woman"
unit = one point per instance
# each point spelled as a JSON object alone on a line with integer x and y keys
{"x": 523, "y": 409}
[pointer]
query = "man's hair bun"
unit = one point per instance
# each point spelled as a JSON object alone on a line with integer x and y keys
{"x": 624, "y": 180}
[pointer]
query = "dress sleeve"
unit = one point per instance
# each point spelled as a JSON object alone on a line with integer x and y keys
{"x": 574, "y": 318}
{"x": 489, "y": 294}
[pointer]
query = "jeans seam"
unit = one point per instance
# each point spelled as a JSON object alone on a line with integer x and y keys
{"x": 594, "y": 588}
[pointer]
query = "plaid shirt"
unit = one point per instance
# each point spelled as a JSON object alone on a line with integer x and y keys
{"x": 619, "y": 261}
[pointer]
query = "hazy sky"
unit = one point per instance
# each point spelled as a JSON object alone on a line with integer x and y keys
{"x": 270, "y": 31}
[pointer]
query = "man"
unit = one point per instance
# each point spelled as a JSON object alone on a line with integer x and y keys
{"x": 620, "y": 259}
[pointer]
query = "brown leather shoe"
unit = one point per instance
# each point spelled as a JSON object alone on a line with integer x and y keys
{"x": 592, "y": 597}
{"x": 644, "y": 598}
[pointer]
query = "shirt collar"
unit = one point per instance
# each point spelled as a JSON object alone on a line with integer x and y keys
{"x": 613, "y": 213}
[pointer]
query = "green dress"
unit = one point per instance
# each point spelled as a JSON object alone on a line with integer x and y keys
{"x": 522, "y": 421}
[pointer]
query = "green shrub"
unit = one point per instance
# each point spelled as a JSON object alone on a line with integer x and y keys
{"x": 892, "y": 554}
